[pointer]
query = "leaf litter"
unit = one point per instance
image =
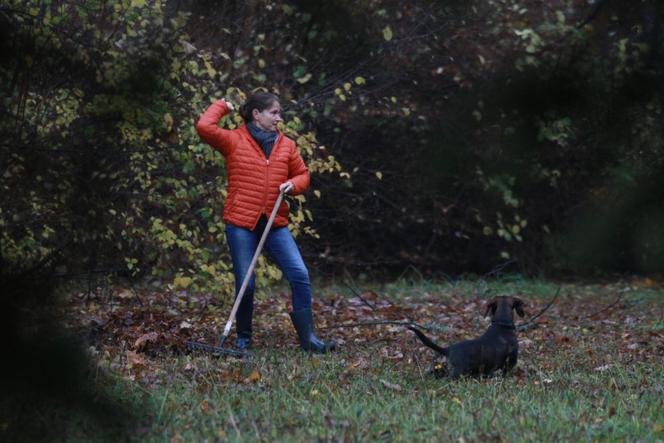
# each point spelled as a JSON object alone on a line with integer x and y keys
{"x": 137, "y": 336}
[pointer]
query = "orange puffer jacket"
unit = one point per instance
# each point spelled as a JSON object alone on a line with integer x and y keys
{"x": 253, "y": 180}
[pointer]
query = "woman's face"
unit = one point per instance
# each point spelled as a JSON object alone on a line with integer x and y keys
{"x": 268, "y": 118}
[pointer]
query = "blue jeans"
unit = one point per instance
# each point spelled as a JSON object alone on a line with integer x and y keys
{"x": 281, "y": 247}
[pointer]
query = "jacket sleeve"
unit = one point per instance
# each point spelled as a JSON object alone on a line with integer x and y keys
{"x": 298, "y": 173}
{"x": 210, "y": 133}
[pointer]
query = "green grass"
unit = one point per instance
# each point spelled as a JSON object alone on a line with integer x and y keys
{"x": 577, "y": 379}
{"x": 561, "y": 391}
{"x": 302, "y": 398}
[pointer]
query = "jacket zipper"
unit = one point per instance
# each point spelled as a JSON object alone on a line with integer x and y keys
{"x": 267, "y": 181}
{"x": 267, "y": 173}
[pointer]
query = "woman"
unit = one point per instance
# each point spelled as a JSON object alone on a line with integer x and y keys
{"x": 261, "y": 162}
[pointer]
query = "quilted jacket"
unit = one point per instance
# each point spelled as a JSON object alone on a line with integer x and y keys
{"x": 253, "y": 179}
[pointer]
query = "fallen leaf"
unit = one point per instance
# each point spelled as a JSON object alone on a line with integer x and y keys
{"x": 145, "y": 338}
{"x": 389, "y": 385}
{"x": 253, "y": 377}
{"x": 360, "y": 363}
{"x": 205, "y": 406}
{"x": 124, "y": 294}
{"x": 135, "y": 359}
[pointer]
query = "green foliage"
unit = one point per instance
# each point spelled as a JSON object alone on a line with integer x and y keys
{"x": 102, "y": 155}
{"x": 474, "y": 132}
{"x": 507, "y": 130}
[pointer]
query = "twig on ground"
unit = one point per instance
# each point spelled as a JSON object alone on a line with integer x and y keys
{"x": 233, "y": 422}
{"x": 525, "y": 326}
{"x": 374, "y": 323}
{"x": 258, "y": 434}
{"x": 606, "y": 308}
{"x": 357, "y": 294}
{"x": 417, "y": 361}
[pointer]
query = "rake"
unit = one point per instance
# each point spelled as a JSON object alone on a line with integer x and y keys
{"x": 219, "y": 350}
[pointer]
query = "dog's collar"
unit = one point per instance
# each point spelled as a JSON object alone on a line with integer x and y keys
{"x": 503, "y": 324}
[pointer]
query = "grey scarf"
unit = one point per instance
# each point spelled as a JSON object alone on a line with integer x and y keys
{"x": 265, "y": 139}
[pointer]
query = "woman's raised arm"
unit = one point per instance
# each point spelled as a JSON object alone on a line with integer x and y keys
{"x": 209, "y": 131}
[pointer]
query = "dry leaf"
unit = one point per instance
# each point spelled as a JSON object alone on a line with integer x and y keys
{"x": 135, "y": 359}
{"x": 145, "y": 338}
{"x": 387, "y": 384}
{"x": 253, "y": 377}
{"x": 205, "y": 406}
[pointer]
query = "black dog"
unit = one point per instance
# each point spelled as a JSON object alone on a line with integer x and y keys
{"x": 496, "y": 349}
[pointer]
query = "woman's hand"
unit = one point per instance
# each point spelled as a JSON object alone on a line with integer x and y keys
{"x": 286, "y": 187}
{"x": 229, "y": 105}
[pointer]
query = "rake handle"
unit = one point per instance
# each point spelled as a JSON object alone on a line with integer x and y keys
{"x": 247, "y": 276}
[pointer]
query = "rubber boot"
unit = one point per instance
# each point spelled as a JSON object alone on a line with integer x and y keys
{"x": 304, "y": 325}
{"x": 243, "y": 320}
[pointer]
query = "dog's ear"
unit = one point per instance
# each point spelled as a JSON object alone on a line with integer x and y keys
{"x": 517, "y": 305}
{"x": 492, "y": 306}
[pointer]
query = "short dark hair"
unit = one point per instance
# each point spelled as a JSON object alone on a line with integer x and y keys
{"x": 260, "y": 101}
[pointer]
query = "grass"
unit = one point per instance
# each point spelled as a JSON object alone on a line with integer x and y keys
{"x": 579, "y": 378}
{"x": 302, "y": 398}
{"x": 585, "y": 388}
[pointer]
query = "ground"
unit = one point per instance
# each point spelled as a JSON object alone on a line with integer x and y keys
{"x": 589, "y": 369}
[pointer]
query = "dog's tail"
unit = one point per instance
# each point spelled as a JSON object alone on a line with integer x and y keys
{"x": 427, "y": 341}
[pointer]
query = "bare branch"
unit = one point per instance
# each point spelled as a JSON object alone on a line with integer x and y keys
{"x": 525, "y": 326}
{"x": 374, "y": 323}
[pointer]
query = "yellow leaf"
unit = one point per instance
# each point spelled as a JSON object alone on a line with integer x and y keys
{"x": 302, "y": 80}
{"x": 210, "y": 70}
{"x": 379, "y": 175}
{"x": 347, "y": 86}
{"x": 168, "y": 121}
{"x": 182, "y": 282}
{"x": 137, "y": 3}
{"x": 360, "y": 80}
{"x": 317, "y": 193}
{"x": 387, "y": 33}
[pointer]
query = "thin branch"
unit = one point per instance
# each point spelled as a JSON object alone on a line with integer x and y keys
{"x": 357, "y": 294}
{"x": 617, "y": 300}
{"x": 374, "y": 323}
{"x": 524, "y": 326}
{"x": 592, "y": 14}
{"x": 498, "y": 269}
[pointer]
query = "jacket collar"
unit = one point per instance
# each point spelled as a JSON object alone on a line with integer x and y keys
{"x": 247, "y": 135}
